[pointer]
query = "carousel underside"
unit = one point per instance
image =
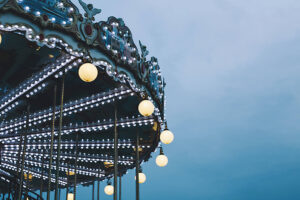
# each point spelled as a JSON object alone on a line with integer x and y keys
{"x": 57, "y": 130}
{"x": 88, "y": 116}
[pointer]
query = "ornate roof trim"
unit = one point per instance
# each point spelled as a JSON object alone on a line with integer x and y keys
{"x": 111, "y": 37}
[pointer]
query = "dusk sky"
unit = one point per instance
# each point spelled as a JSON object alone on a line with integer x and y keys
{"x": 233, "y": 97}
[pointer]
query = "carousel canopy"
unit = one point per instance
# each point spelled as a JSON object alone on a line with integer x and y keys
{"x": 52, "y": 112}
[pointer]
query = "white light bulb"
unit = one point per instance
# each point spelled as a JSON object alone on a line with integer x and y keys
{"x": 146, "y": 108}
{"x": 161, "y": 160}
{"x": 109, "y": 190}
{"x": 166, "y": 137}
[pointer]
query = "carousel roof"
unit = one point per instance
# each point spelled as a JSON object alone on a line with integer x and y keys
{"x": 42, "y": 45}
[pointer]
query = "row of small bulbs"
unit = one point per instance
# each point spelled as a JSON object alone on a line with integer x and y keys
{"x": 88, "y": 158}
{"x": 69, "y": 108}
{"x": 50, "y": 42}
{"x": 53, "y": 19}
{"x": 84, "y": 144}
{"x": 72, "y": 146}
{"x": 12, "y": 166}
{"x": 79, "y": 170}
{"x": 34, "y": 134}
{"x": 31, "y": 83}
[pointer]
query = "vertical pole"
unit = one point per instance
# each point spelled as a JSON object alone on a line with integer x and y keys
{"x": 120, "y": 186}
{"x": 24, "y": 152}
{"x": 52, "y": 139}
{"x": 67, "y": 191}
{"x": 9, "y": 191}
{"x": 93, "y": 195}
{"x": 116, "y": 157}
{"x": 27, "y": 183}
{"x": 42, "y": 178}
{"x": 75, "y": 175}
{"x": 137, "y": 165}
{"x": 59, "y": 193}
{"x": 59, "y": 134}
{"x": 18, "y": 164}
{"x": 98, "y": 190}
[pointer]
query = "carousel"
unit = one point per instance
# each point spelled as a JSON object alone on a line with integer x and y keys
{"x": 80, "y": 102}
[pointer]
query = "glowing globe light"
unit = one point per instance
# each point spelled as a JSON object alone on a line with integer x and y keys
{"x": 146, "y": 108}
{"x": 28, "y": 176}
{"x": 142, "y": 177}
{"x": 70, "y": 173}
{"x": 166, "y": 137}
{"x": 109, "y": 190}
{"x": 88, "y": 72}
{"x": 70, "y": 196}
{"x": 0, "y": 38}
{"x": 161, "y": 160}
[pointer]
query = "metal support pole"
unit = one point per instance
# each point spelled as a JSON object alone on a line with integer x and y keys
{"x": 18, "y": 162}
{"x": 9, "y": 191}
{"x": 120, "y": 186}
{"x": 59, "y": 135}
{"x": 24, "y": 153}
{"x": 42, "y": 178}
{"x": 52, "y": 139}
{"x": 27, "y": 183}
{"x": 137, "y": 166}
{"x": 93, "y": 195}
{"x": 12, "y": 193}
{"x": 116, "y": 157}
{"x": 98, "y": 190}
{"x": 68, "y": 180}
{"x": 75, "y": 175}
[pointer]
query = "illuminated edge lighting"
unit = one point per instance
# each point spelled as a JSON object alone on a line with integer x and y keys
{"x": 11, "y": 166}
{"x": 80, "y": 170}
{"x": 85, "y": 128}
{"x": 80, "y": 105}
{"x": 87, "y": 158}
{"x": 66, "y": 145}
{"x": 50, "y": 41}
{"x": 38, "y": 13}
{"x": 34, "y": 81}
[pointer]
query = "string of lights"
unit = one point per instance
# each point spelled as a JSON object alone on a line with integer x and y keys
{"x": 84, "y": 128}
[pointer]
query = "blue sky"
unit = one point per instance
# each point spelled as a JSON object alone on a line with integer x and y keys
{"x": 233, "y": 97}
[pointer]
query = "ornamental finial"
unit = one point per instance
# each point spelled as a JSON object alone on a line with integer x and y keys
{"x": 90, "y": 11}
{"x": 144, "y": 51}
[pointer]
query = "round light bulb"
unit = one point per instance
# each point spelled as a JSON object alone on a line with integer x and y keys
{"x": 28, "y": 176}
{"x": 142, "y": 177}
{"x": 161, "y": 160}
{"x": 146, "y": 108}
{"x": 70, "y": 196}
{"x": 166, "y": 137}
{"x": 88, "y": 72}
{"x": 109, "y": 190}
{"x": 70, "y": 173}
